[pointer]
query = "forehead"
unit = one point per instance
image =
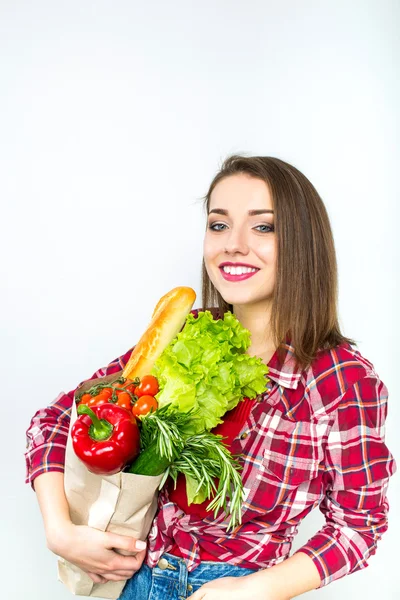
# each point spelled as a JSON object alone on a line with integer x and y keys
{"x": 241, "y": 192}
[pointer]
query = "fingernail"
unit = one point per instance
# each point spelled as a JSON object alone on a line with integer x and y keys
{"x": 140, "y": 545}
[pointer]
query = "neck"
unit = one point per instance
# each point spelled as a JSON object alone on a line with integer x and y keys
{"x": 256, "y": 318}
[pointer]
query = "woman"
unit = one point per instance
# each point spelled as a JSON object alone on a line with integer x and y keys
{"x": 314, "y": 437}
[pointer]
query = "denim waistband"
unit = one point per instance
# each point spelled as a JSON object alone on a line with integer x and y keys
{"x": 170, "y": 579}
{"x": 206, "y": 570}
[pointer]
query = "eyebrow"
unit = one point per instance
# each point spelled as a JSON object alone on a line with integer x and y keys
{"x": 252, "y": 213}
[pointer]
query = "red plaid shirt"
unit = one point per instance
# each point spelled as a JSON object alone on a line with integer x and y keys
{"x": 314, "y": 438}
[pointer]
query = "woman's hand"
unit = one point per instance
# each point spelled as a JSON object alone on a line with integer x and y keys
{"x": 94, "y": 551}
{"x": 97, "y": 552}
{"x": 237, "y": 588}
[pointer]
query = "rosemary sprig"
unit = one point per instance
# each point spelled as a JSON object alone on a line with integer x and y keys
{"x": 164, "y": 426}
{"x": 205, "y": 458}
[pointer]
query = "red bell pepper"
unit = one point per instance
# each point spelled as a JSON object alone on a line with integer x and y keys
{"x": 105, "y": 438}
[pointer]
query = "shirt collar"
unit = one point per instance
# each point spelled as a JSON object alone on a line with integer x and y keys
{"x": 284, "y": 373}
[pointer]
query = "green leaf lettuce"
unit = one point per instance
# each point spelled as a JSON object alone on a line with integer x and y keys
{"x": 206, "y": 369}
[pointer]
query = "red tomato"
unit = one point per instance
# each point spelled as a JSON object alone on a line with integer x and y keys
{"x": 106, "y": 392}
{"x": 124, "y": 400}
{"x": 144, "y": 405}
{"x": 118, "y": 387}
{"x": 98, "y": 399}
{"x": 85, "y": 399}
{"x": 130, "y": 387}
{"x": 147, "y": 386}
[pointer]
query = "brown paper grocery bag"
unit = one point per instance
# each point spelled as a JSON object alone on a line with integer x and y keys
{"x": 123, "y": 503}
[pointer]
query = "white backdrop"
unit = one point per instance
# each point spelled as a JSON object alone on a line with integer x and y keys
{"x": 115, "y": 116}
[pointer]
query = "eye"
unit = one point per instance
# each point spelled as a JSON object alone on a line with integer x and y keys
{"x": 267, "y": 228}
{"x": 214, "y": 226}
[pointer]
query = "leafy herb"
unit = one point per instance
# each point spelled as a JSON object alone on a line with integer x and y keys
{"x": 204, "y": 459}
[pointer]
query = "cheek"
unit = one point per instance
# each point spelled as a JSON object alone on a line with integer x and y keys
{"x": 209, "y": 253}
{"x": 268, "y": 252}
{"x": 209, "y": 248}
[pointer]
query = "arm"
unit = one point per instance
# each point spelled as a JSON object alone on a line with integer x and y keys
{"x": 88, "y": 548}
{"x": 355, "y": 521}
{"x": 46, "y": 438}
{"x": 358, "y": 466}
{"x": 49, "y": 488}
{"x": 293, "y": 577}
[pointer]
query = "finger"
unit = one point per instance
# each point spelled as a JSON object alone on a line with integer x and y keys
{"x": 124, "y": 542}
{"x": 114, "y": 577}
{"x": 198, "y": 595}
{"x": 126, "y": 563}
{"x": 124, "y": 574}
{"x": 96, "y": 578}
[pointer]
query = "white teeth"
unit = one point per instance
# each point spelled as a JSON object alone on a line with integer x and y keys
{"x": 238, "y": 270}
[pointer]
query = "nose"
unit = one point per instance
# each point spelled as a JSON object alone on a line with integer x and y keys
{"x": 236, "y": 241}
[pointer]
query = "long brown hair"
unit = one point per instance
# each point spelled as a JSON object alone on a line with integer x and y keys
{"x": 304, "y": 304}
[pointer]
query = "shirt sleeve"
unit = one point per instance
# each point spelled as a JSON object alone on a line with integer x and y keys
{"x": 47, "y": 434}
{"x": 357, "y": 469}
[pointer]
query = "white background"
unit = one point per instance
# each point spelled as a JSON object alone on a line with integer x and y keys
{"x": 114, "y": 118}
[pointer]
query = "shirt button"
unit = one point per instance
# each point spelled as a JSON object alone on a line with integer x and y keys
{"x": 244, "y": 435}
{"x": 162, "y": 564}
{"x": 189, "y": 587}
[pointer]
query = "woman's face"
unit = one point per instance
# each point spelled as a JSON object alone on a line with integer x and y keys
{"x": 236, "y": 236}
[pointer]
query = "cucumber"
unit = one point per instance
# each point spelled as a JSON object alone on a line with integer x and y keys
{"x": 149, "y": 462}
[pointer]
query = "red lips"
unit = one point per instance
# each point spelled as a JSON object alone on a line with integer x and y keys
{"x": 230, "y": 277}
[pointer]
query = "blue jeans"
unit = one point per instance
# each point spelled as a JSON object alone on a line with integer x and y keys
{"x": 175, "y": 582}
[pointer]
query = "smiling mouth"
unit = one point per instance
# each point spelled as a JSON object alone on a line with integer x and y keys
{"x": 236, "y": 274}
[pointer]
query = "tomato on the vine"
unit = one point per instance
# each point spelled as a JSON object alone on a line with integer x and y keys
{"x": 144, "y": 404}
{"x": 129, "y": 387}
{"x": 148, "y": 386}
{"x": 100, "y": 398}
{"x": 124, "y": 400}
{"x": 118, "y": 387}
{"x": 85, "y": 399}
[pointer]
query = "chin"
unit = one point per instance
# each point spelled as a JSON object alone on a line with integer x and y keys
{"x": 242, "y": 297}
{"x": 239, "y": 298}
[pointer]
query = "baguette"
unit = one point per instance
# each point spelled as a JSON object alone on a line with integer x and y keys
{"x": 167, "y": 320}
